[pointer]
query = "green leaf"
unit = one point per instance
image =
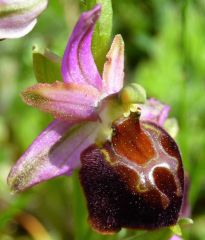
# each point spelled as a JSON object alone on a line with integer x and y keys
{"x": 102, "y": 32}
{"x": 46, "y": 65}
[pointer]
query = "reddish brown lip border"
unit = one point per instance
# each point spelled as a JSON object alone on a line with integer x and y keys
{"x": 136, "y": 180}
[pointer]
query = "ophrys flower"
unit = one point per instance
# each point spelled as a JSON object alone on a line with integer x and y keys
{"x": 131, "y": 171}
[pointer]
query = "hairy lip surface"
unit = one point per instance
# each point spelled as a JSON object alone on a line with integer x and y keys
{"x": 122, "y": 192}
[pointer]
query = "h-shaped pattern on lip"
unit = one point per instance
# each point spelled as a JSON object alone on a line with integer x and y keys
{"x": 160, "y": 159}
{"x": 135, "y": 179}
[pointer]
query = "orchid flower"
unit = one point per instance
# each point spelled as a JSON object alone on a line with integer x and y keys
{"x": 17, "y": 18}
{"x": 130, "y": 168}
{"x": 75, "y": 103}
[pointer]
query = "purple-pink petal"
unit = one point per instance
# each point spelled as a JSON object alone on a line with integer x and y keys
{"x": 65, "y": 101}
{"x": 113, "y": 72}
{"x": 56, "y": 151}
{"x": 78, "y": 65}
{"x": 154, "y": 111}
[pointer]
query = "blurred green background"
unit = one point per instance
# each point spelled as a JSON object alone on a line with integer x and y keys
{"x": 165, "y": 53}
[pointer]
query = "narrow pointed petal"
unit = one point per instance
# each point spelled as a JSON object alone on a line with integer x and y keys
{"x": 56, "y": 151}
{"x": 78, "y": 65}
{"x": 113, "y": 73}
{"x": 154, "y": 111}
{"x": 17, "y": 18}
{"x": 69, "y": 101}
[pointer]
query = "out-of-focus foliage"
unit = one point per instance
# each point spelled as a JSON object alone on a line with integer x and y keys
{"x": 165, "y": 53}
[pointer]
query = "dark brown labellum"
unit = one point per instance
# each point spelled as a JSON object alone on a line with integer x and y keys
{"x": 135, "y": 181}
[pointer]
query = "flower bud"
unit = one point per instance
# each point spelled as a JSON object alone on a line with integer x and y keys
{"x": 17, "y": 18}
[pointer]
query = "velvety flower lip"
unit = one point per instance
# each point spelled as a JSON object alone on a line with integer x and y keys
{"x": 17, "y": 18}
{"x": 138, "y": 177}
{"x": 75, "y": 103}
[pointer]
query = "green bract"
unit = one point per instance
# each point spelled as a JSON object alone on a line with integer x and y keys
{"x": 46, "y": 65}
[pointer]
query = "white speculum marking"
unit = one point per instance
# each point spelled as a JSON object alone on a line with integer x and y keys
{"x": 145, "y": 171}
